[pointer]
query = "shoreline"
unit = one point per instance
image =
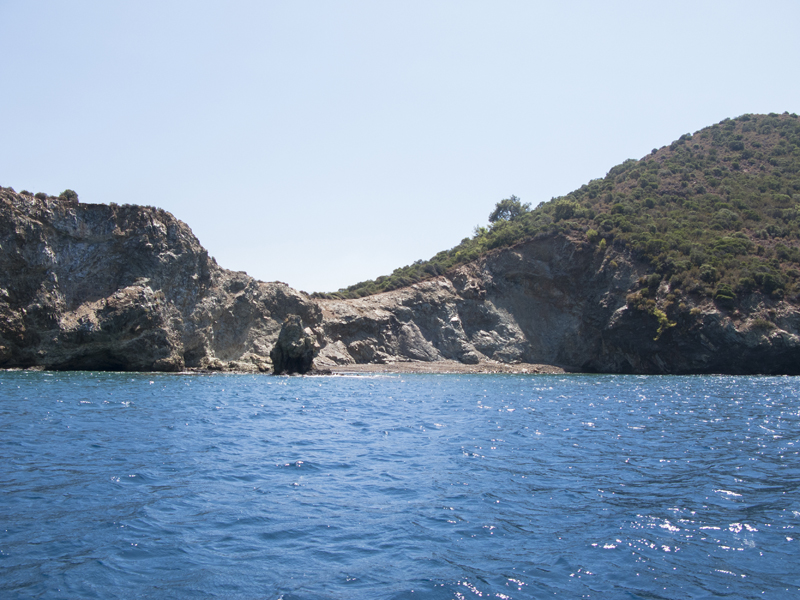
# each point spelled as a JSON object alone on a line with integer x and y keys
{"x": 441, "y": 367}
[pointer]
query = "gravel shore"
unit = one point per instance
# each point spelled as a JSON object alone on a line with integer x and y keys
{"x": 443, "y": 366}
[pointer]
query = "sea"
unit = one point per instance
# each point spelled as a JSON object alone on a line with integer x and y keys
{"x": 120, "y": 485}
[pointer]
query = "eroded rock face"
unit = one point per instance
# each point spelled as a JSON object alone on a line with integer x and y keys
{"x": 524, "y": 304}
{"x": 294, "y": 351}
{"x": 102, "y": 287}
{"x": 130, "y": 288}
{"x": 556, "y": 301}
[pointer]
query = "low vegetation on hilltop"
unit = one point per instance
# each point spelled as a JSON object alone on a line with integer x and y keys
{"x": 715, "y": 214}
{"x": 66, "y": 196}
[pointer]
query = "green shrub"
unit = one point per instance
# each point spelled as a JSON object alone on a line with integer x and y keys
{"x": 769, "y": 281}
{"x": 708, "y": 273}
{"x": 724, "y": 295}
{"x": 762, "y": 324}
{"x": 564, "y": 210}
{"x": 69, "y": 196}
{"x": 726, "y": 219}
{"x": 663, "y": 323}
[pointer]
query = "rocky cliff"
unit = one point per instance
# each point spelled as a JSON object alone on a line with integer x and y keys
{"x": 558, "y": 300}
{"x": 130, "y": 288}
{"x": 89, "y": 286}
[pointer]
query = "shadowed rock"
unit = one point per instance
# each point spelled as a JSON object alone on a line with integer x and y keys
{"x": 295, "y": 349}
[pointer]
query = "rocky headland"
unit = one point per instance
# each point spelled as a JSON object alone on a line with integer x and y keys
{"x": 107, "y": 287}
{"x": 98, "y": 287}
{"x": 682, "y": 262}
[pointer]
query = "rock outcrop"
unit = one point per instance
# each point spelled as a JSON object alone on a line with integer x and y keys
{"x": 557, "y": 301}
{"x": 107, "y": 287}
{"x": 294, "y": 351}
{"x": 130, "y": 288}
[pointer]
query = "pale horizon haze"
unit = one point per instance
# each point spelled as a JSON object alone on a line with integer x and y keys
{"x": 326, "y": 143}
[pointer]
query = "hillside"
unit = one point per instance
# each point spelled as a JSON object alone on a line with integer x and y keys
{"x": 714, "y": 214}
{"x": 685, "y": 261}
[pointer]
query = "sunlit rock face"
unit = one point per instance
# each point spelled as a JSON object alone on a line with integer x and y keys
{"x": 108, "y": 287}
{"x": 556, "y": 300}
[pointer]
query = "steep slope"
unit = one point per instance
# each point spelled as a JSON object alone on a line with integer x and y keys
{"x": 717, "y": 209}
{"x": 127, "y": 288}
{"x": 557, "y": 300}
{"x": 683, "y": 262}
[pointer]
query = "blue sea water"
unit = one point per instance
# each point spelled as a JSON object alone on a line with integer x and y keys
{"x": 119, "y": 485}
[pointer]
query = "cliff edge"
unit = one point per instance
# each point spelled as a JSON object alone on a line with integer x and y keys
{"x": 107, "y": 287}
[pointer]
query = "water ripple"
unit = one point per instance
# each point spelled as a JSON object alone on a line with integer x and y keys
{"x": 172, "y": 486}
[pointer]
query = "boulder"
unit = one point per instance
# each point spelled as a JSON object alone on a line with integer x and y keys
{"x": 295, "y": 349}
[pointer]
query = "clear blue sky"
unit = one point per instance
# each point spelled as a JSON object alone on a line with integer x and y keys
{"x": 325, "y": 143}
